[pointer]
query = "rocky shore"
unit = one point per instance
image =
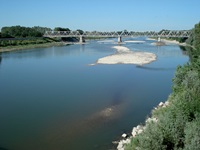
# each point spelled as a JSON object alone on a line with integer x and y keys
{"x": 138, "y": 129}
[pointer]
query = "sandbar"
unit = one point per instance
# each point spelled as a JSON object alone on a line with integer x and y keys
{"x": 137, "y": 42}
{"x": 124, "y": 55}
{"x": 173, "y": 42}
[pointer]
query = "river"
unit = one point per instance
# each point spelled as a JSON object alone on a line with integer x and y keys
{"x": 52, "y": 99}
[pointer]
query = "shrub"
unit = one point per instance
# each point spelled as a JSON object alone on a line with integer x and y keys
{"x": 192, "y": 135}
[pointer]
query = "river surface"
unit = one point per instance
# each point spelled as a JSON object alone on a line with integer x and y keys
{"x": 52, "y": 99}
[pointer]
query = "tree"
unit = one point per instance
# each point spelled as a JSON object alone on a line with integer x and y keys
{"x": 41, "y": 29}
{"x": 0, "y": 59}
{"x": 80, "y": 31}
{"x": 61, "y": 29}
{"x": 18, "y": 32}
{"x": 197, "y": 35}
{"x": 119, "y": 32}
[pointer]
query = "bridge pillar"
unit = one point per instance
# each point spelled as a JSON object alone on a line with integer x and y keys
{"x": 81, "y": 40}
{"x": 119, "y": 39}
{"x": 159, "y": 40}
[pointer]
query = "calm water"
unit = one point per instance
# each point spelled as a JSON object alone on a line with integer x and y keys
{"x": 51, "y": 99}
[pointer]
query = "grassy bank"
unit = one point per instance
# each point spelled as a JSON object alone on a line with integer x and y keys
{"x": 30, "y": 46}
{"x": 176, "y": 126}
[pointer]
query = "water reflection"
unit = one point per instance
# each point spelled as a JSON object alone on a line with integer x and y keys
{"x": 166, "y": 52}
{"x": 45, "y": 52}
{"x": 67, "y": 134}
{"x": 0, "y": 59}
{"x": 155, "y": 69}
{"x": 2, "y": 148}
{"x": 185, "y": 49}
{"x": 82, "y": 47}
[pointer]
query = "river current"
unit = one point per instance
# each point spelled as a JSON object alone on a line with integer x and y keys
{"x": 52, "y": 99}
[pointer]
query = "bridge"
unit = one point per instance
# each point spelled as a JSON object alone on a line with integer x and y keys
{"x": 119, "y": 34}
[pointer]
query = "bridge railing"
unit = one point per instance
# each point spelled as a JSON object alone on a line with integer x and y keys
{"x": 165, "y": 33}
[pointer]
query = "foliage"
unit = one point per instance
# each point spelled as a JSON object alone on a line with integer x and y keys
{"x": 164, "y": 30}
{"x": 80, "y": 31}
{"x": 192, "y": 135}
{"x": 41, "y": 29}
{"x": 197, "y": 35}
{"x": 15, "y": 42}
{"x": 18, "y": 32}
{"x": 61, "y": 29}
{"x": 178, "y": 124}
{"x": 190, "y": 40}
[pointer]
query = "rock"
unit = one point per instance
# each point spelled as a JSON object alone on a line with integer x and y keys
{"x": 120, "y": 146}
{"x": 115, "y": 142}
{"x": 140, "y": 131}
{"x": 123, "y": 142}
{"x": 138, "y": 127}
{"x": 124, "y": 135}
{"x": 154, "y": 119}
{"x": 144, "y": 128}
{"x": 166, "y": 103}
{"x": 127, "y": 141}
{"x": 134, "y": 129}
{"x": 161, "y": 104}
{"x": 148, "y": 120}
{"x": 134, "y": 133}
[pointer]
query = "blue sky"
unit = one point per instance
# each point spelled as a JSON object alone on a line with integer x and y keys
{"x": 102, "y": 15}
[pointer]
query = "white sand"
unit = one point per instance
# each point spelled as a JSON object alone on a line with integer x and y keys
{"x": 173, "y": 42}
{"x": 151, "y": 39}
{"x": 134, "y": 41}
{"x": 106, "y": 41}
{"x": 169, "y": 42}
{"x": 125, "y": 56}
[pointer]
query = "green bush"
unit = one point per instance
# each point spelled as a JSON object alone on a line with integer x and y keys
{"x": 192, "y": 135}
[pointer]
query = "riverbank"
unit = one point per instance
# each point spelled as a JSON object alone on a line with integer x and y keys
{"x": 31, "y": 46}
{"x": 167, "y": 41}
{"x": 125, "y": 56}
{"x": 125, "y": 142}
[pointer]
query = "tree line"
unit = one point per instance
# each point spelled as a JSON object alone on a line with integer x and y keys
{"x": 21, "y": 32}
{"x": 19, "y": 35}
{"x": 29, "y": 32}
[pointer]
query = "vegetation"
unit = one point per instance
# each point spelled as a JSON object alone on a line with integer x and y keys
{"x": 28, "y": 41}
{"x": 61, "y": 29}
{"x": 41, "y": 29}
{"x": 29, "y": 46}
{"x": 178, "y": 125}
{"x": 19, "y": 32}
{"x": 18, "y": 37}
{"x": 179, "y": 39}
